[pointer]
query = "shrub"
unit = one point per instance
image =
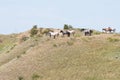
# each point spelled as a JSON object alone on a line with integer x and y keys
{"x": 18, "y": 56}
{"x": 23, "y": 38}
{"x": 113, "y": 39}
{"x": 70, "y": 43}
{"x": 96, "y": 32}
{"x": 35, "y": 77}
{"x": 20, "y": 78}
{"x": 55, "y": 45}
{"x": 7, "y": 51}
{"x": 24, "y": 52}
{"x": 77, "y": 35}
{"x": 85, "y": 39}
{"x": 66, "y": 26}
{"x": 33, "y": 31}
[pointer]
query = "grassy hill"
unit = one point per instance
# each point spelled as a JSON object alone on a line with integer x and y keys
{"x": 95, "y": 57}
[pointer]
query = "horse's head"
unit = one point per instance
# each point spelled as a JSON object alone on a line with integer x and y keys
{"x": 61, "y": 31}
{"x": 91, "y": 31}
{"x": 83, "y": 29}
{"x": 114, "y": 30}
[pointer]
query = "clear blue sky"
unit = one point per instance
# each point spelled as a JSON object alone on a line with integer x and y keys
{"x": 21, "y": 15}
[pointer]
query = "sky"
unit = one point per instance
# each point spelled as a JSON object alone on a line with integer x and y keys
{"x": 21, "y": 15}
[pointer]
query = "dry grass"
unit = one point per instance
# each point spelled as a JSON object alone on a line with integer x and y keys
{"x": 79, "y": 58}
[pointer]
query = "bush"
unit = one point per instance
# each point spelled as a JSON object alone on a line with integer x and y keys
{"x": 23, "y": 38}
{"x": 35, "y": 77}
{"x": 66, "y": 26}
{"x": 55, "y": 45}
{"x": 20, "y": 78}
{"x": 113, "y": 39}
{"x": 97, "y": 32}
{"x": 70, "y": 43}
{"x": 33, "y": 31}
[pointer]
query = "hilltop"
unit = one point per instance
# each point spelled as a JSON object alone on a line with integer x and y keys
{"x": 78, "y": 57}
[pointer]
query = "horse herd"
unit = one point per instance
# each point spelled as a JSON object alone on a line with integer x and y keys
{"x": 68, "y": 33}
{"x": 61, "y": 32}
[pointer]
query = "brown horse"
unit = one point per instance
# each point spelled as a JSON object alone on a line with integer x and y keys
{"x": 109, "y": 29}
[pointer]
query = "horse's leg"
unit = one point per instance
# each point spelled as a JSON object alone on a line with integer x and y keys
{"x": 63, "y": 34}
{"x": 85, "y": 33}
{"x": 50, "y": 35}
{"x": 90, "y": 33}
{"x": 109, "y": 31}
{"x": 73, "y": 33}
{"x": 54, "y": 36}
{"x": 68, "y": 34}
{"x": 57, "y": 34}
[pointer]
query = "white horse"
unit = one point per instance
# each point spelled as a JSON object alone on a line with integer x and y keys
{"x": 71, "y": 32}
{"x": 54, "y": 34}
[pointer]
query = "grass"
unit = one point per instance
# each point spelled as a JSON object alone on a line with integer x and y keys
{"x": 80, "y": 58}
{"x": 8, "y": 42}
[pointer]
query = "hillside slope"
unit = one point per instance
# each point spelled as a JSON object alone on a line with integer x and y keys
{"x": 76, "y": 58}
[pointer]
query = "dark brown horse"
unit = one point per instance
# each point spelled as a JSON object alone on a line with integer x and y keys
{"x": 109, "y": 29}
{"x": 65, "y": 33}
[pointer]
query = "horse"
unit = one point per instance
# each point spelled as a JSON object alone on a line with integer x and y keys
{"x": 71, "y": 32}
{"x": 54, "y": 34}
{"x": 87, "y": 32}
{"x": 65, "y": 33}
{"x": 108, "y": 30}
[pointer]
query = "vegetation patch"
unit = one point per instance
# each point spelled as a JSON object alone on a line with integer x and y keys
{"x": 110, "y": 39}
{"x": 20, "y": 78}
{"x": 70, "y": 43}
{"x": 55, "y": 45}
{"x": 36, "y": 77}
{"x": 96, "y": 32}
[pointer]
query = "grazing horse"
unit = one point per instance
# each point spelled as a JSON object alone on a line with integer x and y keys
{"x": 65, "y": 33}
{"x": 108, "y": 30}
{"x": 71, "y": 32}
{"x": 54, "y": 34}
{"x": 87, "y": 32}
